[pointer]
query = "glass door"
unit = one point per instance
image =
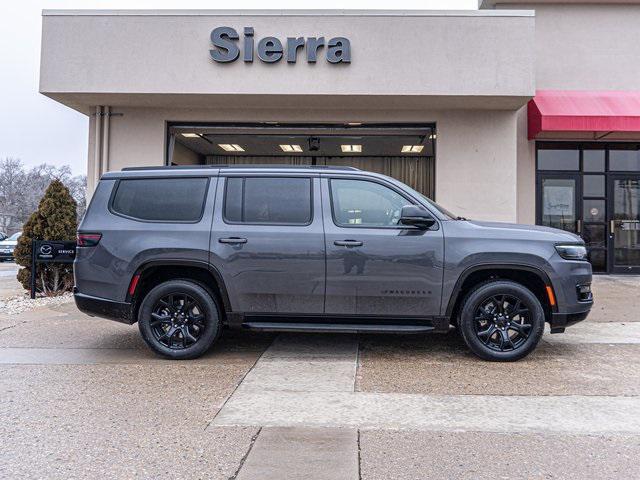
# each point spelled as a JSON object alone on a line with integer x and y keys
{"x": 624, "y": 223}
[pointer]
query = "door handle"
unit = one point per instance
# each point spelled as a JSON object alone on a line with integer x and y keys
{"x": 348, "y": 243}
{"x": 232, "y": 240}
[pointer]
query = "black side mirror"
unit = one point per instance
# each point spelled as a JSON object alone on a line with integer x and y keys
{"x": 416, "y": 216}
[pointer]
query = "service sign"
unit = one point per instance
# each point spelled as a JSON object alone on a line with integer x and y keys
{"x": 54, "y": 251}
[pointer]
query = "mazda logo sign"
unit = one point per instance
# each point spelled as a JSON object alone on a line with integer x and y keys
{"x": 46, "y": 249}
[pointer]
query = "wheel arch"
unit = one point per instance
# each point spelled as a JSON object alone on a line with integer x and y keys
{"x": 529, "y": 276}
{"x": 154, "y": 272}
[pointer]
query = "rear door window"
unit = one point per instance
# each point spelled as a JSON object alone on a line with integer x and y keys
{"x": 161, "y": 199}
{"x": 268, "y": 200}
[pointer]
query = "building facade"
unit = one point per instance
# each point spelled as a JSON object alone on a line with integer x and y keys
{"x": 518, "y": 112}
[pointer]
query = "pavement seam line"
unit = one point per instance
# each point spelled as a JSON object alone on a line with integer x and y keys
{"x": 355, "y": 376}
{"x": 13, "y": 326}
{"x": 359, "y": 457}
{"x": 246, "y": 455}
{"x": 240, "y": 382}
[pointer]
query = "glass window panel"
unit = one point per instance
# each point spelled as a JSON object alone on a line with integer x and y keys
{"x": 593, "y": 211}
{"x": 593, "y": 160}
{"x": 558, "y": 159}
{"x": 276, "y": 200}
{"x": 161, "y": 199}
{"x": 558, "y": 203}
{"x": 367, "y": 204}
{"x": 624, "y": 160}
{"x": 598, "y": 259}
{"x": 594, "y": 235}
{"x": 626, "y": 204}
{"x": 593, "y": 185}
{"x": 626, "y": 199}
{"x": 233, "y": 199}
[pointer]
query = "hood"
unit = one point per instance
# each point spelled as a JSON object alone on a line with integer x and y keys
{"x": 527, "y": 231}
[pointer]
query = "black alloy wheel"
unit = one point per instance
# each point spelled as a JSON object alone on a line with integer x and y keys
{"x": 502, "y": 323}
{"x": 501, "y": 320}
{"x": 179, "y": 319}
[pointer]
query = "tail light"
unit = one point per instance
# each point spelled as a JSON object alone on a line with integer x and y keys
{"x": 88, "y": 239}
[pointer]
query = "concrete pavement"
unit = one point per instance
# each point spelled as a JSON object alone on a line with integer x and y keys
{"x": 82, "y": 397}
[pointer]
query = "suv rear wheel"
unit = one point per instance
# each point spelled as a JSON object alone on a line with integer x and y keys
{"x": 501, "y": 321}
{"x": 179, "y": 319}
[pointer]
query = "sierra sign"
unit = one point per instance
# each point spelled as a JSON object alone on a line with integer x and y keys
{"x": 226, "y": 49}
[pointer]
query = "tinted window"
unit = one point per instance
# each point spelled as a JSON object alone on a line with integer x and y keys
{"x": 161, "y": 199}
{"x": 268, "y": 200}
{"x": 367, "y": 204}
{"x": 593, "y": 160}
{"x": 558, "y": 159}
{"x": 622, "y": 160}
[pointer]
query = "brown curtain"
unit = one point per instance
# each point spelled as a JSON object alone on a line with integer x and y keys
{"x": 417, "y": 172}
{"x": 256, "y": 160}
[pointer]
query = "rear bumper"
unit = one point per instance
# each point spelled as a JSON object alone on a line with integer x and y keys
{"x": 104, "y": 308}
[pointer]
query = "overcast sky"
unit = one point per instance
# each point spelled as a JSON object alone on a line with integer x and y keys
{"x": 37, "y": 129}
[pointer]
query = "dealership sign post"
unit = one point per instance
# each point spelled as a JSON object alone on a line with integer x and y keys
{"x": 50, "y": 251}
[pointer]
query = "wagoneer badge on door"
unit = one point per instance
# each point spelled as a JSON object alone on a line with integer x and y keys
{"x": 271, "y": 49}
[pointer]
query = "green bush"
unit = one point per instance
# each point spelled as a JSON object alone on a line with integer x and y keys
{"x": 55, "y": 219}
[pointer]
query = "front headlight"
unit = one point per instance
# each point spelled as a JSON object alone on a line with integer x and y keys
{"x": 572, "y": 252}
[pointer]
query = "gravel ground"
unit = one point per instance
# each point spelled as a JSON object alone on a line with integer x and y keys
{"x": 22, "y": 303}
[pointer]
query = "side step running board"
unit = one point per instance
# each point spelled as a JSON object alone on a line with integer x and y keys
{"x": 336, "y": 327}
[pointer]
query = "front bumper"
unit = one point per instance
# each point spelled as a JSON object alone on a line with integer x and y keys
{"x": 101, "y": 307}
{"x": 559, "y": 321}
{"x": 571, "y": 306}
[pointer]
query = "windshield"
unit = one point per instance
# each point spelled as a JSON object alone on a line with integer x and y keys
{"x": 15, "y": 236}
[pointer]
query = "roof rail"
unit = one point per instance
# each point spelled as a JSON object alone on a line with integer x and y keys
{"x": 248, "y": 165}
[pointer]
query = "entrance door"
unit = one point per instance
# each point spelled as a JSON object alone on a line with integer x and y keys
{"x": 374, "y": 265}
{"x": 624, "y": 223}
{"x": 558, "y": 201}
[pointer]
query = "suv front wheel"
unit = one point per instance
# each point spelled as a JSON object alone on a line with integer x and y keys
{"x": 501, "y": 321}
{"x": 179, "y": 319}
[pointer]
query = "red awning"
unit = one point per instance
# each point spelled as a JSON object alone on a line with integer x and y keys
{"x": 601, "y": 113}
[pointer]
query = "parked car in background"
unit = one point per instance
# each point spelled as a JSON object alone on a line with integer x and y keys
{"x": 187, "y": 252}
{"x": 8, "y": 245}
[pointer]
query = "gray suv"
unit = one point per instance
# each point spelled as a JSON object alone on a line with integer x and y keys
{"x": 189, "y": 251}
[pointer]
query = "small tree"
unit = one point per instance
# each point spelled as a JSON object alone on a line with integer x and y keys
{"x": 55, "y": 219}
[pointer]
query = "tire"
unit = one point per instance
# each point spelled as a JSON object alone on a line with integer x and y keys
{"x": 179, "y": 319}
{"x": 483, "y": 323}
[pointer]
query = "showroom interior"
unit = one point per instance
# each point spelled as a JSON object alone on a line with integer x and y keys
{"x": 405, "y": 152}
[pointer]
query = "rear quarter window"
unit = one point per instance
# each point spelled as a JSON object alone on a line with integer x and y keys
{"x": 160, "y": 199}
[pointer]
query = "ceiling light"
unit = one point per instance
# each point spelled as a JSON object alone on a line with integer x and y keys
{"x": 291, "y": 148}
{"x": 412, "y": 148}
{"x": 191, "y": 135}
{"x": 231, "y": 147}
{"x": 351, "y": 148}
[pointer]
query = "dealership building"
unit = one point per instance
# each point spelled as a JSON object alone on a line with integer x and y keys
{"x": 519, "y": 111}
